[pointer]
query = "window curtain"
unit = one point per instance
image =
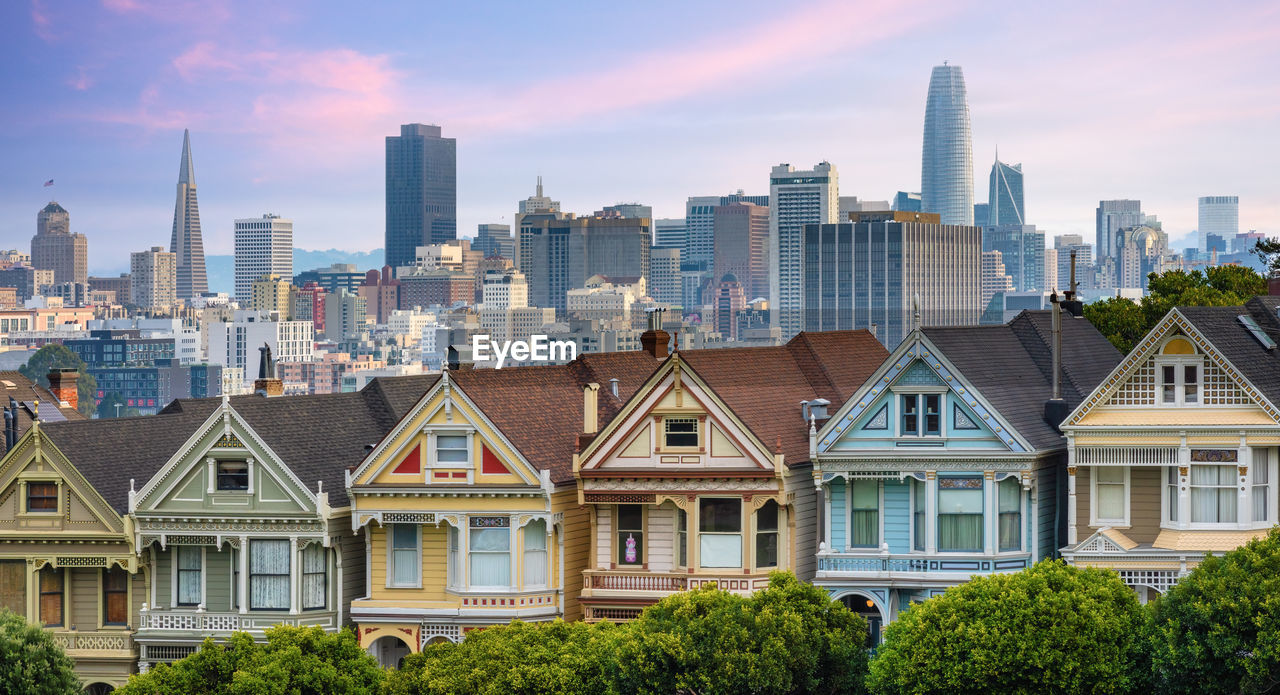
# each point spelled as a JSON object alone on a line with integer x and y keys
{"x": 115, "y": 596}
{"x": 1010, "y": 514}
{"x": 866, "y": 514}
{"x": 189, "y": 557}
{"x": 490, "y": 557}
{"x": 1171, "y": 492}
{"x": 314, "y": 576}
{"x": 720, "y": 532}
{"x": 269, "y": 575}
{"x": 13, "y": 585}
{"x": 1110, "y": 487}
{"x": 1213, "y": 494}
{"x": 404, "y": 555}
{"x": 918, "y": 509}
{"x": 52, "y": 587}
{"x": 535, "y": 553}
{"x": 1261, "y": 484}
{"x": 960, "y": 516}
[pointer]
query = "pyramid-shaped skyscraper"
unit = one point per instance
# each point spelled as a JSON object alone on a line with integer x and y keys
{"x": 186, "y": 241}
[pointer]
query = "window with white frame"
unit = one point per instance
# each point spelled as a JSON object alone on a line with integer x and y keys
{"x": 1180, "y": 381}
{"x": 918, "y": 502}
{"x": 960, "y": 503}
{"x": 456, "y": 578}
{"x": 489, "y": 551}
{"x": 680, "y": 432}
{"x": 630, "y": 535}
{"x": 535, "y": 553}
{"x": 864, "y": 514}
{"x": 682, "y": 538}
{"x": 1213, "y": 494}
{"x": 1110, "y": 495}
{"x": 767, "y": 535}
{"x": 720, "y": 531}
{"x": 405, "y": 556}
{"x": 315, "y": 579}
{"x": 921, "y": 414}
{"x": 1171, "y": 493}
{"x": 1009, "y": 503}
{"x": 190, "y": 560}
{"x": 269, "y": 575}
{"x": 1262, "y": 485}
{"x": 452, "y": 449}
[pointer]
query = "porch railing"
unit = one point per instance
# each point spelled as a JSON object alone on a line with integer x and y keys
{"x": 917, "y": 564}
{"x": 96, "y": 641}
{"x": 213, "y": 622}
{"x": 667, "y": 582}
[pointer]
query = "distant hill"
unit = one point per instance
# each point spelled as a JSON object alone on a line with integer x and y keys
{"x": 222, "y": 269}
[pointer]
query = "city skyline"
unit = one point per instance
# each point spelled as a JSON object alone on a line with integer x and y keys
{"x": 299, "y": 129}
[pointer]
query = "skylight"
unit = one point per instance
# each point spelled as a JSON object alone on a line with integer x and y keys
{"x": 1256, "y": 330}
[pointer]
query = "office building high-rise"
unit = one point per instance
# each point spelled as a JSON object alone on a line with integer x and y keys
{"x": 422, "y": 191}
{"x": 1219, "y": 214}
{"x": 263, "y": 246}
{"x": 535, "y": 208}
{"x": 1113, "y": 216}
{"x": 905, "y": 201}
{"x": 1085, "y": 276}
{"x": 1051, "y": 270}
{"x": 495, "y": 240}
{"x": 796, "y": 198}
{"x": 1022, "y": 251}
{"x": 629, "y": 210}
{"x": 994, "y": 277}
{"x": 185, "y": 243}
{"x": 981, "y": 214}
{"x": 946, "y": 167}
{"x": 870, "y": 271}
{"x": 562, "y": 251}
{"x": 699, "y": 219}
{"x": 741, "y": 240}
{"x": 55, "y": 248}
{"x": 664, "y": 275}
{"x": 1004, "y": 198}
{"x": 153, "y": 278}
{"x": 670, "y": 233}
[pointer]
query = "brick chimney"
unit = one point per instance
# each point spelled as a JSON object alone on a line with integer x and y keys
{"x": 267, "y": 384}
{"x": 62, "y": 383}
{"x": 655, "y": 340}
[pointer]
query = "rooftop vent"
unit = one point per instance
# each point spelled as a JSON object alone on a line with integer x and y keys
{"x": 817, "y": 408}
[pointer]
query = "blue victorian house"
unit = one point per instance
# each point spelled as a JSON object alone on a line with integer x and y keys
{"x": 948, "y": 463}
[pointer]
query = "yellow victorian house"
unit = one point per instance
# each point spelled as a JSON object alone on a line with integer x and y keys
{"x": 1175, "y": 453}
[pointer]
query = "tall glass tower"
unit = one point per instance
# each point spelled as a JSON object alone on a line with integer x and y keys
{"x": 1005, "y": 194}
{"x": 186, "y": 242}
{"x": 422, "y": 191}
{"x": 946, "y": 167}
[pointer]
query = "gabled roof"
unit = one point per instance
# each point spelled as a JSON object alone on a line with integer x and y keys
{"x": 1011, "y": 365}
{"x": 1221, "y": 327}
{"x": 26, "y": 393}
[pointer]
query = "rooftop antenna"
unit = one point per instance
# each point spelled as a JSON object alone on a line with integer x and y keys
{"x": 539, "y": 185}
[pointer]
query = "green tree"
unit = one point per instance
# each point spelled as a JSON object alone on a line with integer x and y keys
{"x": 788, "y": 638}
{"x": 55, "y": 355}
{"x": 1268, "y": 251}
{"x": 30, "y": 662}
{"x": 520, "y": 658}
{"x": 1218, "y": 629}
{"x": 1125, "y": 323}
{"x": 107, "y": 407}
{"x": 1048, "y": 629}
{"x": 293, "y": 661}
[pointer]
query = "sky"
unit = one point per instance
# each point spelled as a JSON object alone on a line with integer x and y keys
{"x": 288, "y": 104}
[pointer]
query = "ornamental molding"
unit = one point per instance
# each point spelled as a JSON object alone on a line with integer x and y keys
{"x": 681, "y": 485}
{"x": 903, "y": 468}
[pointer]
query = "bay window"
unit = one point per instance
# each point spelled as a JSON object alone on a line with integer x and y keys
{"x": 1111, "y": 495}
{"x": 960, "y": 514}
{"x": 864, "y": 505}
{"x": 190, "y": 568}
{"x": 535, "y": 553}
{"x": 1262, "y": 485}
{"x": 720, "y": 532}
{"x": 1213, "y": 494}
{"x": 315, "y": 582}
{"x": 767, "y": 535}
{"x": 921, "y": 415}
{"x": 917, "y": 514}
{"x": 489, "y": 551}
{"x": 456, "y": 578}
{"x": 1010, "y": 509}
{"x": 1171, "y": 492}
{"x": 115, "y": 596}
{"x": 269, "y": 575}
{"x": 630, "y": 535}
{"x": 405, "y": 556}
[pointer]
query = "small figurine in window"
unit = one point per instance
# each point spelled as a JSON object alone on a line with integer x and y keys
{"x": 631, "y": 548}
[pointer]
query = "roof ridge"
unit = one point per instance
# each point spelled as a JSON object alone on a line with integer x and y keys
{"x": 801, "y": 340}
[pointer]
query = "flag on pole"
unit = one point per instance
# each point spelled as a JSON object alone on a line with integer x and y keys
{"x": 48, "y": 183}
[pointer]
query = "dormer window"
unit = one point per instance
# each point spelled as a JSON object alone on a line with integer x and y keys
{"x": 1178, "y": 369}
{"x": 233, "y": 475}
{"x": 451, "y": 448}
{"x": 680, "y": 432}
{"x": 921, "y": 414}
{"x": 42, "y": 497}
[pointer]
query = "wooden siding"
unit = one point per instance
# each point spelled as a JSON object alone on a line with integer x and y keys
{"x": 1049, "y": 530}
{"x": 434, "y": 565}
{"x": 803, "y": 516}
{"x": 604, "y": 536}
{"x": 217, "y": 579}
{"x": 897, "y": 516}
{"x": 1144, "y": 504}
{"x": 839, "y": 515}
{"x": 84, "y": 594}
{"x": 352, "y": 550}
{"x": 660, "y": 537}
{"x": 1083, "y": 531}
{"x": 577, "y": 548}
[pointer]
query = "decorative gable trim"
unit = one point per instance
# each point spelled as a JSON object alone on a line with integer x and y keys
{"x": 1136, "y": 360}
{"x": 916, "y": 353}
{"x": 34, "y": 446}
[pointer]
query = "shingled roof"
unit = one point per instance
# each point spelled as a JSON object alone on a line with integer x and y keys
{"x": 21, "y": 389}
{"x": 1222, "y": 327}
{"x": 1011, "y": 365}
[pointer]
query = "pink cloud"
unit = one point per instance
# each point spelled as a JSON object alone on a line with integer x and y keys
{"x": 81, "y": 81}
{"x": 42, "y": 23}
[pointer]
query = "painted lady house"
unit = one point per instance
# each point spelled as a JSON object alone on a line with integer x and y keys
{"x": 1174, "y": 455}
{"x": 946, "y": 463}
{"x": 703, "y": 476}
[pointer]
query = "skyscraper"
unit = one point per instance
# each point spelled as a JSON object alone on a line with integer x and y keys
{"x": 741, "y": 237}
{"x": 534, "y": 208}
{"x": 1022, "y": 251}
{"x": 1004, "y": 198}
{"x": 699, "y": 218}
{"x": 153, "y": 278}
{"x": 422, "y": 191}
{"x": 1219, "y": 214}
{"x": 946, "y": 167}
{"x": 796, "y": 198}
{"x": 562, "y": 251}
{"x": 186, "y": 243}
{"x": 1112, "y": 216}
{"x": 263, "y": 246}
{"x": 664, "y": 274}
{"x": 55, "y": 248}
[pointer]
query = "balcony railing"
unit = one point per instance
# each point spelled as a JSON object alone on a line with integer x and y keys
{"x": 96, "y": 641}
{"x": 911, "y": 564}
{"x": 222, "y": 622}
{"x": 669, "y": 582}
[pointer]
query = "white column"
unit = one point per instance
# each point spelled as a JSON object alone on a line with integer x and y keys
{"x": 213, "y": 472}
{"x": 989, "y": 512}
{"x": 244, "y": 574}
{"x": 824, "y": 533}
{"x": 1071, "y": 503}
{"x": 250, "y": 463}
{"x": 294, "y": 581}
{"x": 931, "y": 512}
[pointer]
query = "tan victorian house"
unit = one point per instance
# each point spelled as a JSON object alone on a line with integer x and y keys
{"x": 1174, "y": 455}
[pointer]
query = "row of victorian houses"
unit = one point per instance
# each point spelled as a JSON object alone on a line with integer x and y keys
{"x": 423, "y": 507}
